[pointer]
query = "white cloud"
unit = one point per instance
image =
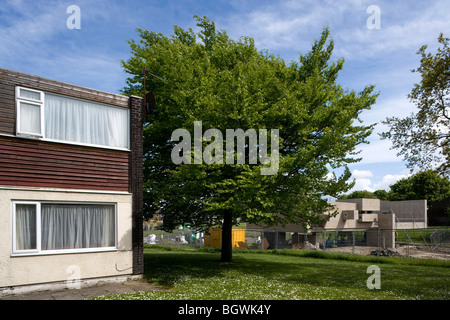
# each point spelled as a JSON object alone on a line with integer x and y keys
{"x": 362, "y": 184}
{"x": 397, "y": 106}
{"x": 29, "y": 28}
{"x": 401, "y": 28}
{"x": 288, "y": 24}
{"x": 364, "y": 180}
{"x": 37, "y": 41}
{"x": 377, "y": 152}
{"x": 388, "y": 180}
{"x": 361, "y": 174}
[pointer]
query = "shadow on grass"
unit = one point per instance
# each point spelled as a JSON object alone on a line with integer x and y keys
{"x": 169, "y": 268}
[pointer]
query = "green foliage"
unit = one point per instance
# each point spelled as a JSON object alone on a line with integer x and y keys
{"x": 427, "y": 185}
{"x": 378, "y": 194}
{"x": 229, "y": 84}
{"x": 381, "y": 194}
{"x": 423, "y": 138}
{"x": 359, "y": 194}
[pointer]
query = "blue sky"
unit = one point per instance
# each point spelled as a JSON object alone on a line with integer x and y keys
{"x": 36, "y": 40}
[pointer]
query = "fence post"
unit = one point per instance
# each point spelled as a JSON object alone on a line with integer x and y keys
{"x": 378, "y": 241}
{"x": 407, "y": 246}
{"x": 353, "y": 241}
{"x": 276, "y": 238}
{"x": 262, "y": 240}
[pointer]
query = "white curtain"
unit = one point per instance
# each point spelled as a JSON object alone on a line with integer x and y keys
{"x": 30, "y": 118}
{"x": 25, "y": 226}
{"x": 85, "y": 122}
{"x": 77, "y": 226}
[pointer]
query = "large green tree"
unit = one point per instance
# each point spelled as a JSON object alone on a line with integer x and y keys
{"x": 423, "y": 137}
{"x": 225, "y": 84}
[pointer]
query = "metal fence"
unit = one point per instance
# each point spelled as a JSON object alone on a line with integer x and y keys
{"x": 317, "y": 240}
{"x": 432, "y": 242}
{"x": 178, "y": 237}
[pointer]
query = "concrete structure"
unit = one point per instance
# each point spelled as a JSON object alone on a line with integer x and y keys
{"x": 410, "y": 214}
{"x": 70, "y": 184}
{"x": 378, "y": 220}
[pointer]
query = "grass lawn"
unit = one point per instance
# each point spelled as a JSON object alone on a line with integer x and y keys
{"x": 288, "y": 275}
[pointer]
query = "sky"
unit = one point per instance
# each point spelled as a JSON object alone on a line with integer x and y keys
{"x": 378, "y": 40}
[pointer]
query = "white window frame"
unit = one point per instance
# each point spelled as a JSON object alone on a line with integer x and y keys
{"x": 38, "y": 250}
{"x": 41, "y": 135}
{"x": 38, "y": 228}
{"x": 40, "y": 103}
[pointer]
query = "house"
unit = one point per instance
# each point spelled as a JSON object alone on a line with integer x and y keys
{"x": 70, "y": 184}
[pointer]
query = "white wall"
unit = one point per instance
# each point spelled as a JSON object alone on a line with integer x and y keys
{"x": 35, "y": 269}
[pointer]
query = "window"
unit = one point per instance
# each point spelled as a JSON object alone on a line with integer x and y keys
{"x": 29, "y": 112}
{"x": 85, "y": 122}
{"x": 47, "y": 227}
{"x": 65, "y": 119}
{"x": 25, "y": 226}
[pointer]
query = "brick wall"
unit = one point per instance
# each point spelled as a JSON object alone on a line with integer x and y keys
{"x": 136, "y": 181}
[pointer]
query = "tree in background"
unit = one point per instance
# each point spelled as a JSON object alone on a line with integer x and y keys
{"x": 381, "y": 194}
{"x": 427, "y": 185}
{"x": 357, "y": 194}
{"x": 229, "y": 84}
{"x": 423, "y": 138}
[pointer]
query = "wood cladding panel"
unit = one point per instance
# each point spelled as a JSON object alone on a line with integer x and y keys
{"x": 7, "y": 109}
{"x": 34, "y": 163}
{"x": 9, "y": 79}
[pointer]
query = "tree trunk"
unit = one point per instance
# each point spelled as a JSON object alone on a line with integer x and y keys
{"x": 227, "y": 229}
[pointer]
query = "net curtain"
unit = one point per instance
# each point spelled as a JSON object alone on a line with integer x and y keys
{"x": 66, "y": 226}
{"x": 82, "y": 121}
{"x": 73, "y": 227}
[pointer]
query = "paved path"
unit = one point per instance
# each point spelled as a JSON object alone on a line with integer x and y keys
{"x": 101, "y": 289}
